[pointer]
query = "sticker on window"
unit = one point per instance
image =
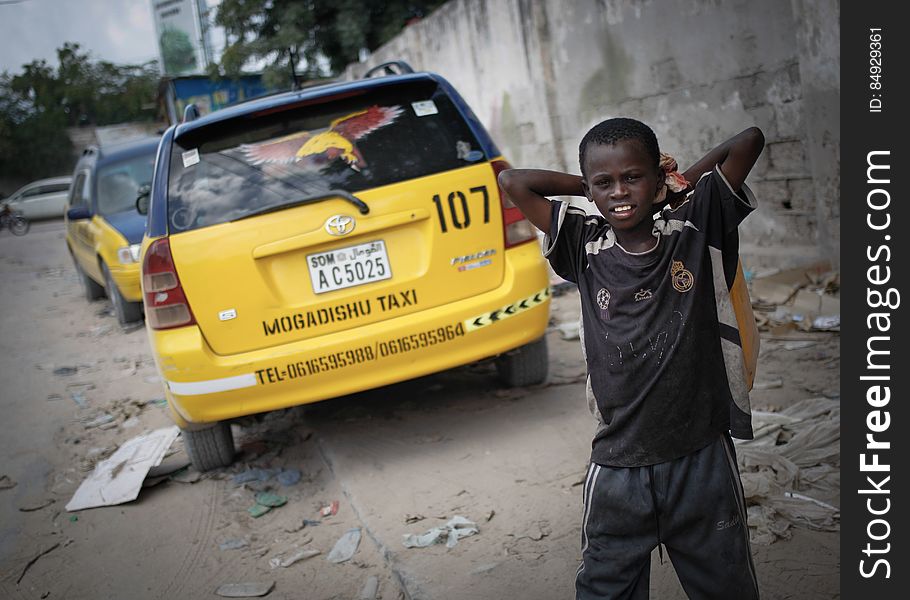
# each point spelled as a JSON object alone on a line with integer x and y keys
{"x": 424, "y": 108}
{"x": 190, "y": 158}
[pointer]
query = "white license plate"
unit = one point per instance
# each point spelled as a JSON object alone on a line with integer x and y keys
{"x": 346, "y": 267}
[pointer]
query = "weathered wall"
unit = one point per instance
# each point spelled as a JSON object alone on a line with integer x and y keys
{"x": 540, "y": 73}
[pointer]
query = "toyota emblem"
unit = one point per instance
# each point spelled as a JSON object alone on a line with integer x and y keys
{"x": 340, "y": 225}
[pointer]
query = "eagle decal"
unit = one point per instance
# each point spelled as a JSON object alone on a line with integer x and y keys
{"x": 336, "y": 141}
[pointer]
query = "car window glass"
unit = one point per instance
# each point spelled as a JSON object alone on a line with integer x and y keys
{"x": 385, "y": 136}
{"x": 118, "y": 183}
{"x": 55, "y": 188}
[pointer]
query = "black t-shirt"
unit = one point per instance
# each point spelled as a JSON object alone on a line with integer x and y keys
{"x": 665, "y": 370}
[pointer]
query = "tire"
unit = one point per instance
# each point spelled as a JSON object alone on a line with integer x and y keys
{"x": 19, "y": 225}
{"x": 127, "y": 312}
{"x": 92, "y": 290}
{"x": 526, "y": 365}
{"x": 210, "y": 448}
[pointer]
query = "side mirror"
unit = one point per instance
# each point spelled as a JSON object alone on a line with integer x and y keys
{"x": 143, "y": 199}
{"x": 78, "y": 213}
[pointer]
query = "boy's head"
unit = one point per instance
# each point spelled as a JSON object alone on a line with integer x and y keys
{"x": 621, "y": 174}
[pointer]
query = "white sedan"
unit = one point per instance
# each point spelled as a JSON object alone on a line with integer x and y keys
{"x": 42, "y": 199}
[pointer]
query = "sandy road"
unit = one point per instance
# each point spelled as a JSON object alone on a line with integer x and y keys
{"x": 399, "y": 460}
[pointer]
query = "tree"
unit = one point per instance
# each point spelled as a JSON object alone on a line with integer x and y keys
{"x": 38, "y": 104}
{"x": 318, "y": 37}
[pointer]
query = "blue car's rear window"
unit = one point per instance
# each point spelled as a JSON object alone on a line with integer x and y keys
{"x": 386, "y": 135}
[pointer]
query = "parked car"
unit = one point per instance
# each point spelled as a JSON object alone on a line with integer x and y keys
{"x": 42, "y": 199}
{"x": 331, "y": 240}
{"x": 103, "y": 228}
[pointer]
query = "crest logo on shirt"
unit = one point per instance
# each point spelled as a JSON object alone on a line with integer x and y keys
{"x": 643, "y": 295}
{"x": 603, "y": 298}
{"x": 682, "y": 278}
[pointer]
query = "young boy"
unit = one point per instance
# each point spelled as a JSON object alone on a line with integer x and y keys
{"x": 665, "y": 372}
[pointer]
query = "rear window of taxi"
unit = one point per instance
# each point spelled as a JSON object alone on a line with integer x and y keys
{"x": 280, "y": 158}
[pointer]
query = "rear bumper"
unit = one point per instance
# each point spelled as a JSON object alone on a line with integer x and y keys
{"x": 203, "y": 387}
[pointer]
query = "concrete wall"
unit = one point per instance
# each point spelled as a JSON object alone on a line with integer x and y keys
{"x": 540, "y": 73}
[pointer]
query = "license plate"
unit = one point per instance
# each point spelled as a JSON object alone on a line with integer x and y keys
{"x": 346, "y": 267}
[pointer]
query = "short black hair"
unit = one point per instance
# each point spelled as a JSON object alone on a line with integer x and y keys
{"x": 615, "y": 130}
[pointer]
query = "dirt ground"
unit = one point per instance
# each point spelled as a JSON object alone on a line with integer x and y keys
{"x": 398, "y": 460}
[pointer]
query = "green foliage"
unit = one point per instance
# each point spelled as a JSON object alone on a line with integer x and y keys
{"x": 319, "y": 36}
{"x": 40, "y": 102}
{"x": 177, "y": 52}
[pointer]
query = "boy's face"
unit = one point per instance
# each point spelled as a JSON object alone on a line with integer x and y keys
{"x": 622, "y": 181}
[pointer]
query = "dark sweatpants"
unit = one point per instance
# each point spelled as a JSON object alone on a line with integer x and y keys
{"x": 692, "y": 505}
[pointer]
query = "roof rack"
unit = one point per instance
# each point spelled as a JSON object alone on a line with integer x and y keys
{"x": 394, "y": 67}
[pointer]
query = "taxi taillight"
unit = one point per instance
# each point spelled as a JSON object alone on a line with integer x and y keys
{"x": 516, "y": 228}
{"x": 166, "y": 305}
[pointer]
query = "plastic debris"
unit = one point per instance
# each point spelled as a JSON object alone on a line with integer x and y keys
{"x": 370, "y": 589}
{"x": 254, "y": 475}
{"x": 293, "y": 558}
{"x": 118, "y": 479}
{"x": 790, "y": 470}
{"x": 570, "y": 330}
{"x": 245, "y": 590}
{"x": 235, "y": 544}
{"x": 257, "y": 510}
{"x": 98, "y": 421}
{"x": 456, "y": 528}
{"x": 331, "y": 509}
{"x": 271, "y": 500}
{"x": 345, "y": 547}
{"x": 289, "y": 477}
{"x": 827, "y": 323}
{"x": 79, "y": 398}
{"x": 770, "y": 384}
{"x": 64, "y": 371}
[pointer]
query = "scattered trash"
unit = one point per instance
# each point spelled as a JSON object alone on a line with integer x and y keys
{"x": 370, "y": 588}
{"x": 130, "y": 423}
{"x": 257, "y": 474}
{"x": 74, "y": 518}
{"x": 293, "y": 558}
{"x": 790, "y": 470}
{"x": 34, "y": 560}
{"x": 798, "y": 345}
{"x": 54, "y": 397}
{"x": 37, "y": 506}
{"x": 266, "y": 502}
{"x": 827, "y": 323}
{"x": 257, "y": 510}
{"x": 408, "y": 519}
{"x": 158, "y": 402}
{"x": 169, "y": 465}
{"x": 79, "y": 398}
{"x": 770, "y": 384}
{"x": 235, "y": 544}
{"x": 289, "y": 477}
{"x": 186, "y": 476}
{"x": 456, "y": 528}
{"x": 119, "y": 478}
{"x": 245, "y": 590}
{"x": 64, "y": 371}
{"x": 570, "y": 330}
{"x": 98, "y": 421}
{"x": 6, "y": 483}
{"x": 330, "y": 510}
{"x": 345, "y": 547}
{"x": 490, "y": 515}
{"x": 271, "y": 500}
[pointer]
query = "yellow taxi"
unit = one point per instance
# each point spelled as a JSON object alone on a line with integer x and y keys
{"x": 104, "y": 229}
{"x": 322, "y": 242}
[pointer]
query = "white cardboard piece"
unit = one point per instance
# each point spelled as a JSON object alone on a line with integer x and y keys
{"x": 119, "y": 478}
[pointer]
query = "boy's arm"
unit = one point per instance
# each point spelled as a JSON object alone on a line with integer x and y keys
{"x": 529, "y": 188}
{"x": 735, "y": 156}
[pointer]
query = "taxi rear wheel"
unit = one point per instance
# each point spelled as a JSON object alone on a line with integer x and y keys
{"x": 92, "y": 290}
{"x": 127, "y": 312}
{"x": 210, "y": 448}
{"x": 526, "y": 365}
